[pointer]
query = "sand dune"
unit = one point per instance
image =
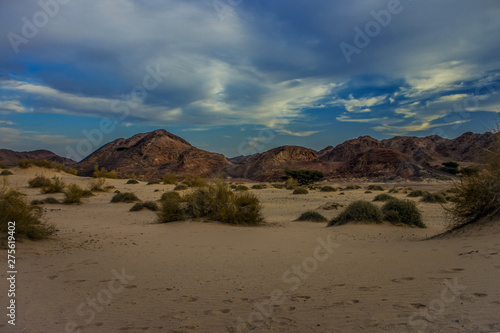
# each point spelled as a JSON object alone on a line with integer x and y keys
{"x": 111, "y": 270}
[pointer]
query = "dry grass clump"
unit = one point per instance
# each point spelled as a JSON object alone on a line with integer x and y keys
{"x": 328, "y": 188}
{"x": 351, "y": 187}
{"x": 5, "y": 173}
{"x": 153, "y": 206}
{"x": 73, "y": 195}
{"x": 196, "y": 181}
{"x": 99, "y": 185}
{"x": 434, "y": 198}
{"x": 312, "y": 216}
{"x": 124, "y": 197}
{"x": 291, "y": 184}
{"x": 103, "y": 173}
{"x": 375, "y": 188}
{"x": 300, "y": 190}
{"x": 403, "y": 211}
{"x": 214, "y": 202}
{"x": 241, "y": 188}
{"x": 56, "y": 185}
{"x": 38, "y": 182}
{"x": 279, "y": 186}
{"x": 132, "y": 181}
{"x": 358, "y": 211}
{"x": 181, "y": 187}
{"x": 153, "y": 182}
{"x": 259, "y": 186}
{"x": 384, "y": 197}
{"x": 14, "y": 207}
{"x": 416, "y": 193}
{"x": 170, "y": 179}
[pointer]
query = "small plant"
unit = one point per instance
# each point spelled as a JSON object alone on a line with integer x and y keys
{"x": 312, "y": 216}
{"x": 103, "y": 173}
{"x": 259, "y": 187}
{"x": 300, "y": 190}
{"x": 433, "y": 198}
{"x": 416, "y": 193}
{"x": 375, "y": 188}
{"x": 124, "y": 197}
{"x": 328, "y": 188}
{"x": 305, "y": 177}
{"x": 56, "y": 185}
{"x": 403, "y": 211}
{"x": 352, "y": 187}
{"x": 153, "y": 182}
{"x": 169, "y": 179}
{"x": 28, "y": 218}
{"x": 153, "y": 206}
{"x": 291, "y": 184}
{"x": 358, "y": 211}
{"x": 98, "y": 185}
{"x": 181, "y": 187}
{"x": 132, "y": 181}
{"x": 241, "y": 188}
{"x": 170, "y": 195}
{"x": 39, "y": 181}
{"x": 400, "y": 190}
{"x": 73, "y": 195}
{"x": 194, "y": 182}
{"x": 383, "y": 197}
{"x": 279, "y": 186}
{"x": 5, "y": 173}
{"x": 368, "y": 192}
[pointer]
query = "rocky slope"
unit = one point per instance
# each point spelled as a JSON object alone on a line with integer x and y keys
{"x": 11, "y": 158}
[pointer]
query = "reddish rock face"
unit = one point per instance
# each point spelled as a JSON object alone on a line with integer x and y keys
{"x": 11, "y": 158}
{"x": 150, "y": 155}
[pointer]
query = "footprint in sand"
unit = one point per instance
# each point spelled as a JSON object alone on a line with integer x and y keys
{"x": 217, "y": 312}
{"x": 130, "y": 286}
{"x": 372, "y": 288}
{"x": 400, "y": 280}
{"x": 74, "y": 281}
{"x": 51, "y": 277}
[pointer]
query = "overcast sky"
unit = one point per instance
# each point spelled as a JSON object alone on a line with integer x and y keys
{"x": 244, "y": 76}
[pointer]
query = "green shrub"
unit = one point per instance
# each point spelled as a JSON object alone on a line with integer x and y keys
{"x": 312, "y": 216}
{"x": 300, "y": 190}
{"x": 169, "y": 178}
{"x": 141, "y": 205}
{"x": 241, "y": 188}
{"x": 375, "y": 188}
{"x": 56, "y": 185}
{"x": 402, "y": 211}
{"x": 352, "y": 187}
{"x": 358, "y": 211}
{"x": 103, "y": 173}
{"x": 39, "y": 181}
{"x": 433, "y": 198}
{"x": 278, "y": 186}
{"x": 194, "y": 182}
{"x": 5, "y": 173}
{"x": 305, "y": 177}
{"x": 98, "y": 185}
{"x": 213, "y": 202}
{"x": 181, "y": 187}
{"x": 28, "y": 223}
{"x": 291, "y": 184}
{"x": 132, "y": 181}
{"x": 328, "y": 188}
{"x": 383, "y": 197}
{"x": 73, "y": 195}
{"x": 416, "y": 193}
{"x": 124, "y": 197}
{"x": 259, "y": 187}
{"x": 153, "y": 182}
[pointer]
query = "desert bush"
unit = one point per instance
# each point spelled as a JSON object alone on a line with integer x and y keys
{"x": 49, "y": 200}
{"x": 5, "y": 173}
{"x": 291, "y": 184}
{"x": 153, "y": 182}
{"x": 124, "y": 197}
{"x": 28, "y": 218}
{"x": 328, "y": 188}
{"x": 39, "y": 181}
{"x": 368, "y": 192}
{"x": 358, "y": 211}
{"x": 433, "y": 198}
{"x": 352, "y": 187}
{"x": 103, "y": 173}
{"x": 341, "y": 193}
{"x": 241, "y": 188}
{"x": 279, "y": 186}
{"x": 132, "y": 181}
{"x": 98, "y": 185}
{"x": 56, "y": 185}
{"x": 153, "y": 206}
{"x": 213, "y": 202}
{"x": 181, "y": 187}
{"x": 312, "y": 216}
{"x": 300, "y": 190}
{"x": 402, "y": 211}
{"x": 476, "y": 197}
{"x": 170, "y": 195}
{"x": 196, "y": 181}
{"x": 416, "y": 193}
{"x": 258, "y": 187}
{"x": 73, "y": 194}
{"x": 375, "y": 188}
{"x": 400, "y": 190}
{"x": 305, "y": 177}
{"x": 169, "y": 179}
{"x": 383, "y": 197}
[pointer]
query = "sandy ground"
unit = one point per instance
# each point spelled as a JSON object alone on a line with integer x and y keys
{"x": 111, "y": 270}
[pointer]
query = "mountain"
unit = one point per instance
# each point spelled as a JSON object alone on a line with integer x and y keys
{"x": 11, "y": 158}
{"x": 150, "y": 155}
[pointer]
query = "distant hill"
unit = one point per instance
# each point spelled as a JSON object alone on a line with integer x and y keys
{"x": 11, "y": 158}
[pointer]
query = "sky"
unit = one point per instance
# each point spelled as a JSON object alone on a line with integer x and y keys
{"x": 239, "y": 77}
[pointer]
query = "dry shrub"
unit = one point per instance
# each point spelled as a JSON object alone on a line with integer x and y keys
{"x": 169, "y": 179}
{"x": 312, "y": 216}
{"x": 403, "y": 211}
{"x": 359, "y": 211}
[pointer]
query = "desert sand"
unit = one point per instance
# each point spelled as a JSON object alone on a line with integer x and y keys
{"x": 111, "y": 270}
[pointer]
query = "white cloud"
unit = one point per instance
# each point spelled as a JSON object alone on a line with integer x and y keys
{"x": 306, "y": 133}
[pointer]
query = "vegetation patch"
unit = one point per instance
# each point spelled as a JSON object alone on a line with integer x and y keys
{"x": 153, "y": 206}
{"x": 403, "y": 211}
{"x": 433, "y": 198}
{"x": 49, "y": 200}
{"x": 358, "y": 211}
{"x": 132, "y": 181}
{"x": 103, "y": 173}
{"x": 328, "y": 188}
{"x": 56, "y": 185}
{"x": 279, "y": 186}
{"x": 124, "y": 197}
{"x": 291, "y": 184}
{"x": 375, "y": 188}
{"x": 300, "y": 190}
{"x": 38, "y": 182}
{"x": 181, "y": 187}
{"x": 416, "y": 193}
{"x": 169, "y": 179}
{"x": 153, "y": 182}
{"x": 384, "y": 197}
{"x": 98, "y": 185}
{"x": 305, "y": 177}
{"x": 5, "y": 173}
{"x": 259, "y": 186}
{"x": 312, "y": 216}
{"x": 241, "y": 188}
{"x": 352, "y": 187}
{"x": 73, "y": 195}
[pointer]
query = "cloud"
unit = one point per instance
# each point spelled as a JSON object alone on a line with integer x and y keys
{"x": 306, "y": 133}
{"x": 6, "y": 122}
